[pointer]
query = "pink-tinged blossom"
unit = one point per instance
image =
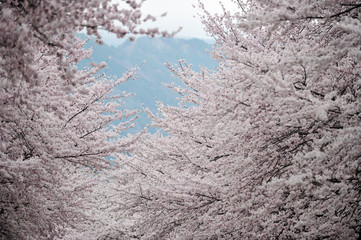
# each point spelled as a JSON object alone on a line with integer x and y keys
{"x": 56, "y": 121}
{"x": 52, "y": 134}
{"x": 266, "y": 146}
{"x": 25, "y": 25}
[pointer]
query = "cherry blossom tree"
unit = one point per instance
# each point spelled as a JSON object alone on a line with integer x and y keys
{"x": 26, "y": 24}
{"x": 268, "y": 146}
{"x": 56, "y": 130}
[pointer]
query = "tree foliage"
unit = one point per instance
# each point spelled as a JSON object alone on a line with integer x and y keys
{"x": 268, "y": 146}
{"x": 55, "y": 119}
{"x": 27, "y": 24}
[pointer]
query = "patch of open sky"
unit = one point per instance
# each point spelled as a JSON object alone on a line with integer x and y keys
{"x": 149, "y": 54}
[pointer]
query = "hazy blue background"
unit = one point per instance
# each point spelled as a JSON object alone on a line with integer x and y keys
{"x": 150, "y": 54}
